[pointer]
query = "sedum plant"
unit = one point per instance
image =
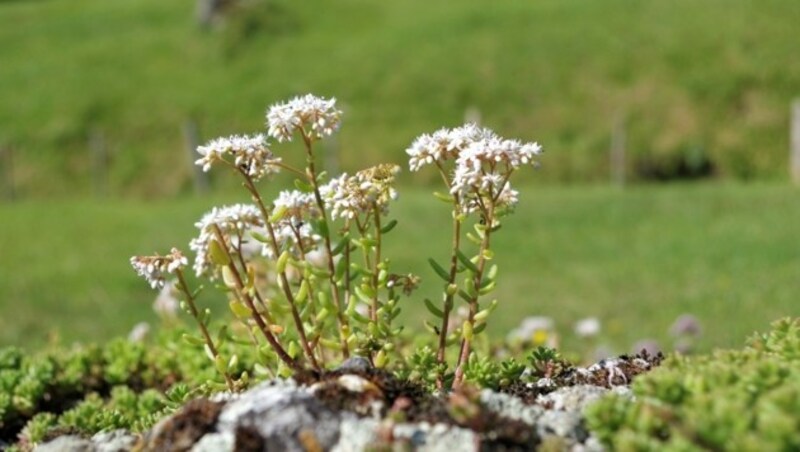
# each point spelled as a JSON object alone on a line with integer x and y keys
{"x": 746, "y": 399}
{"x": 305, "y": 274}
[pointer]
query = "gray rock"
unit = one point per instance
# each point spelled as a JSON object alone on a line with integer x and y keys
{"x": 564, "y": 424}
{"x": 572, "y": 398}
{"x": 360, "y": 434}
{"x": 356, "y": 434}
{"x": 285, "y": 416}
{"x": 67, "y": 443}
{"x": 355, "y": 364}
{"x": 511, "y": 407}
{"x": 424, "y": 437}
{"x": 215, "y": 442}
{"x": 115, "y": 441}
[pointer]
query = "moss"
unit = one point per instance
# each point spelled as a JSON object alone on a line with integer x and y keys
{"x": 746, "y": 399}
{"x": 87, "y": 388}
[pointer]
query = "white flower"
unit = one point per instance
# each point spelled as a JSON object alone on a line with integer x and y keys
{"x": 444, "y": 144}
{"x": 686, "y": 325}
{"x": 236, "y": 222}
{"x": 139, "y": 332}
{"x": 534, "y": 330}
{"x": 317, "y": 115}
{"x": 154, "y": 268}
{"x": 588, "y": 327}
{"x": 351, "y": 196}
{"x": 166, "y": 304}
{"x": 485, "y": 162}
{"x": 251, "y": 153}
{"x": 296, "y": 205}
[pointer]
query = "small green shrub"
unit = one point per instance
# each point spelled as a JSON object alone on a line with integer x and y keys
{"x": 731, "y": 400}
{"x": 89, "y": 388}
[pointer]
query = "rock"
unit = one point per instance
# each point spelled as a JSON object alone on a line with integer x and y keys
{"x": 571, "y": 398}
{"x": 67, "y": 443}
{"x": 355, "y": 364}
{"x": 282, "y": 417}
{"x": 356, "y": 434}
{"x": 115, "y": 441}
{"x": 183, "y": 429}
{"x": 424, "y": 437}
{"x": 564, "y": 424}
{"x": 215, "y": 442}
{"x": 511, "y": 407}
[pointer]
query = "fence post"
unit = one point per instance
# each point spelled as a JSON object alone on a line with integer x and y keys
{"x": 794, "y": 159}
{"x": 191, "y": 137}
{"x": 99, "y": 151}
{"x": 206, "y": 10}
{"x": 617, "y": 151}
{"x": 7, "y": 171}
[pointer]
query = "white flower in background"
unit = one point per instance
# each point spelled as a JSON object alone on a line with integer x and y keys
{"x": 155, "y": 268}
{"x": 166, "y": 303}
{"x": 686, "y": 325}
{"x": 535, "y": 331}
{"x": 444, "y": 144}
{"x": 351, "y": 196}
{"x": 139, "y": 332}
{"x": 251, "y": 153}
{"x": 237, "y": 222}
{"x": 318, "y": 116}
{"x": 588, "y": 327}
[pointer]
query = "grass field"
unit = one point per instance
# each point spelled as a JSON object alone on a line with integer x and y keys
{"x": 709, "y": 78}
{"x": 636, "y": 259}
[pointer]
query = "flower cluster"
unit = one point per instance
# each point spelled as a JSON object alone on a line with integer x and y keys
{"x": 236, "y": 222}
{"x": 484, "y": 162}
{"x": 485, "y": 165}
{"x": 296, "y": 205}
{"x": 250, "y": 153}
{"x": 317, "y": 116}
{"x": 444, "y": 144}
{"x": 154, "y": 268}
{"x": 294, "y": 209}
{"x": 367, "y": 190}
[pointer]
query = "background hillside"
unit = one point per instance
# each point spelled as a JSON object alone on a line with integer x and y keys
{"x": 698, "y": 84}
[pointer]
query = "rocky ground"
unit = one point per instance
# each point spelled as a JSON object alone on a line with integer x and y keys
{"x": 359, "y": 408}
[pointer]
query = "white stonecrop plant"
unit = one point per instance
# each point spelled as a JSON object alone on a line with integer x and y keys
{"x": 305, "y": 274}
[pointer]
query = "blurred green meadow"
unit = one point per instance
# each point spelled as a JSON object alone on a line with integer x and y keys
{"x": 692, "y": 81}
{"x": 635, "y": 259}
{"x": 697, "y": 87}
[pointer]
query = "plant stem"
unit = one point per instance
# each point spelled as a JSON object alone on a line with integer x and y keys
{"x": 473, "y": 304}
{"x": 441, "y": 355}
{"x": 375, "y": 270}
{"x": 273, "y": 342}
{"x": 448, "y": 301}
{"x": 312, "y": 176}
{"x": 196, "y": 314}
{"x": 284, "y": 280}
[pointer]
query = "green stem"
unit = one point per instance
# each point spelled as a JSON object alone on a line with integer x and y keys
{"x": 312, "y": 176}
{"x": 377, "y": 262}
{"x": 196, "y": 314}
{"x": 273, "y": 342}
{"x": 473, "y": 304}
{"x": 287, "y": 290}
